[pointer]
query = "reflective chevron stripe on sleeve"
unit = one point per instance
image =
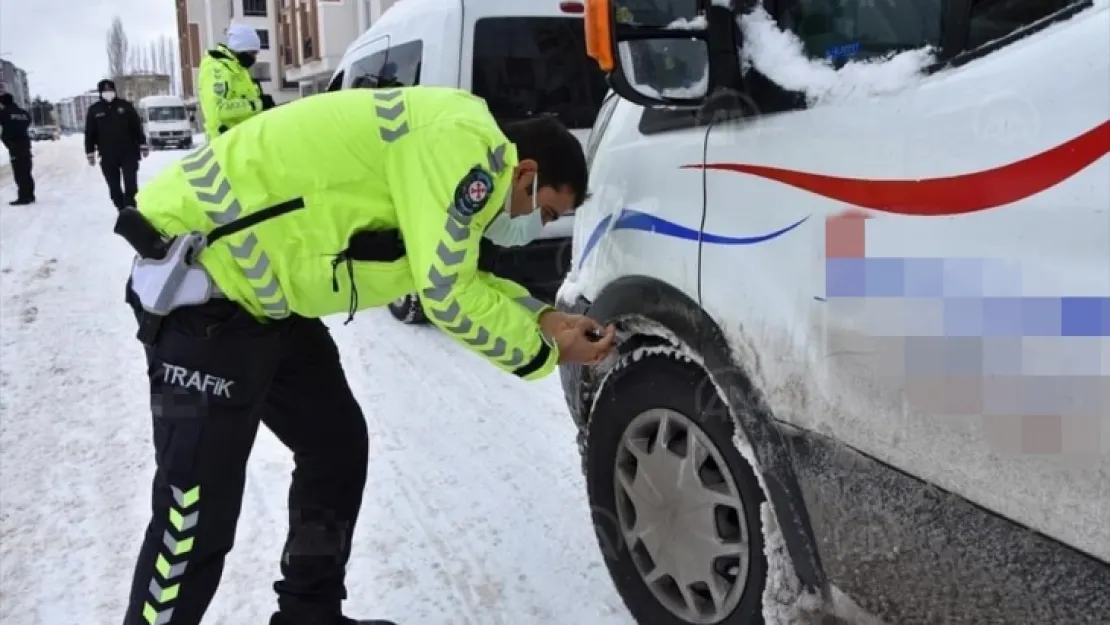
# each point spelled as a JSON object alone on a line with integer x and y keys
{"x": 443, "y": 276}
{"x": 213, "y": 189}
{"x": 390, "y": 107}
{"x": 171, "y": 563}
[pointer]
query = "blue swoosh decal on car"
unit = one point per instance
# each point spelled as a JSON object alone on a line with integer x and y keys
{"x": 629, "y": 219}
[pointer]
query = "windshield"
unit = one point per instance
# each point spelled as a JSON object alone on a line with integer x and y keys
{"x": 525, "y": 66}
{"x": 165, "y": 113}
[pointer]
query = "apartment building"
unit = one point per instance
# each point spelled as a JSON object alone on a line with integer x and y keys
{"x": 202, "y": 24}
{"x": 135, "y": 87}
{"x": 14, "y": 81}
{"x": 316, "y": 33}
{"x": 70, "y": 113}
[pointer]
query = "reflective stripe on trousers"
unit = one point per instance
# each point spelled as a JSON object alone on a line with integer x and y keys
{"x": 172, "y": 562}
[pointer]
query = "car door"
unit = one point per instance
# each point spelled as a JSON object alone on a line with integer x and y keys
{"x": 874, "y": 261}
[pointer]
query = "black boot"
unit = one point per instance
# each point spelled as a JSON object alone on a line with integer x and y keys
{"x": 23, "y": 201}
{"x": 282, "y": 619}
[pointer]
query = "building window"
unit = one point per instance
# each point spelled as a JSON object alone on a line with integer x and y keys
{"x": 264, "y": 37}
{"x": 260, "y": 71}
{"x": 254, "y": 8}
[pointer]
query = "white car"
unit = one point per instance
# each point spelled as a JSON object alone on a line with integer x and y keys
{"x": 863, "y": 324}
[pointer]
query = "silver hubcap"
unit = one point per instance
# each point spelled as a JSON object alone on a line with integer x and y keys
{"x": 681, "y": 516}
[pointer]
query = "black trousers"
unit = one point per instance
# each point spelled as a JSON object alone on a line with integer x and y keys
{"x": 215, "y": 374}
{"x": 117, "y": 168}
{"x": 22, "y": 165}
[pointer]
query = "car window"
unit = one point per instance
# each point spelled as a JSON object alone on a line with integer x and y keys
{"x": 993, "y": 19}
{"x": 843, "y": 30}
{"x": 524, "y": 66}
{"x": 396, "y": 66}
{"x": 603, "y": 116}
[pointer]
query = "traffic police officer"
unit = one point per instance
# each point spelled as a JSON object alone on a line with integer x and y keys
{"x": 375, "y": 194}
{"x": 14, "y": 125}
{"x": 228, "y": 94}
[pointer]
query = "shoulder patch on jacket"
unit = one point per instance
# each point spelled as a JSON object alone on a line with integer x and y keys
{"x": 220, "y": 88}
{"x": 473, "y": 192}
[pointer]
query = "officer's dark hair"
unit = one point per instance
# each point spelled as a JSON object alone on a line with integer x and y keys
{"x": 559, "y": 154}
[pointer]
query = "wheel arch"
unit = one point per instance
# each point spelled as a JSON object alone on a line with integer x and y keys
{"x": 649, "y": 312}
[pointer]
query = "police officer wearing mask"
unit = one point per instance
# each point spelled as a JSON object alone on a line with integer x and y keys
{"x": 114, "y": 129}
{"x": 376, "y": 194}
{"x": 14, "y": 122}
{"x": 228, "y": 94}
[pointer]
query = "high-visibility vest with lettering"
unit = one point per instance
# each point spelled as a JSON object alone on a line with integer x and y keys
{"x": 227, "y": 94}
{"x": 429, "y": 162}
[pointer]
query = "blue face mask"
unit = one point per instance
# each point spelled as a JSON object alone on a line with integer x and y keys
{"x": 508, "y": 231}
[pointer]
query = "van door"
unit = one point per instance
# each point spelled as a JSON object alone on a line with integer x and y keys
{"x": 932, "y": 335}
{"x": 529, "y": 58}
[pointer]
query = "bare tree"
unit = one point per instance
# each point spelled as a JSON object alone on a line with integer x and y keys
{"x": 118, "y": 49}
{"x": 160, "y": 51}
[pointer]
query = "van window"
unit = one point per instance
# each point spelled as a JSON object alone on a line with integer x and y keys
{"x": 524, "y": 66}
{"x": 165, "y": 113}
{"x": 993, "y": 19}
{"x": 397, "y": 66}
{"x": 844, "y": 30}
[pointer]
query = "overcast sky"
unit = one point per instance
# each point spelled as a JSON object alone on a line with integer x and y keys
{"x": 60, "y": 43}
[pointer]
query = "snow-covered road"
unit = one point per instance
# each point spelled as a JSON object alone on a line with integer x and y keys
{"x": 474, "y": 512}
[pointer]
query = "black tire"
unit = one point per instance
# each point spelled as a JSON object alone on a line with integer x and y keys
{"x": 408, "y": 310}
{"x": 664, "y": 382}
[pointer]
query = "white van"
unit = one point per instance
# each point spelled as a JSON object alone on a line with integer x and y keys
{"x": 524, "y": 57}
{"x": 166, "y": 122}
{"x": 864, "y": 342}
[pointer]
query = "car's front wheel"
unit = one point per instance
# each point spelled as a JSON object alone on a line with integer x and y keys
{"x": 407, "y": 309}
{"x": 675, "y": 505}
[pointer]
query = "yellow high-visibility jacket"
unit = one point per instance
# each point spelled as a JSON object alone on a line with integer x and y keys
{"x": 227, "y": 94}
{"x": 427, "y": 162}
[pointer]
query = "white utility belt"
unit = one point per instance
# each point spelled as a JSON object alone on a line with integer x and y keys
{"x": 174, "y": 281}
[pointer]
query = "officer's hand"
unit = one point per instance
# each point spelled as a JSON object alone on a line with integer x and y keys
{"x": 145, "y": 151}
{"x": 581, "y": 340}
{"x": 92, "y": 159}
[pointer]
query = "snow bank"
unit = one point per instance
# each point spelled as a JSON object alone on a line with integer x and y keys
{"x": 780, "y": 56}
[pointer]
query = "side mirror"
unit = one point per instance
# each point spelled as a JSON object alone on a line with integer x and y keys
{"x": 655, "y": 53}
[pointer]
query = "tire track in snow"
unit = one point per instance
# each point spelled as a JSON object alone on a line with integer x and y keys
{"x": 62, "y": 457}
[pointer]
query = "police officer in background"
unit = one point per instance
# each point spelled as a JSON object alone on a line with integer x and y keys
{"x": 228, "y": 94}
{"x": 372, "y": 194}
{"x": 114, "y": 129}
{"x": 14, "y": 122}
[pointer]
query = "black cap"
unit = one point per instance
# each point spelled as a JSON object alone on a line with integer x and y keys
{"x": 105, "y": 85}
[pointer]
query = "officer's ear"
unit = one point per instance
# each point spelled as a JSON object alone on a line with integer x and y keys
{"x": 523, "y": 174}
